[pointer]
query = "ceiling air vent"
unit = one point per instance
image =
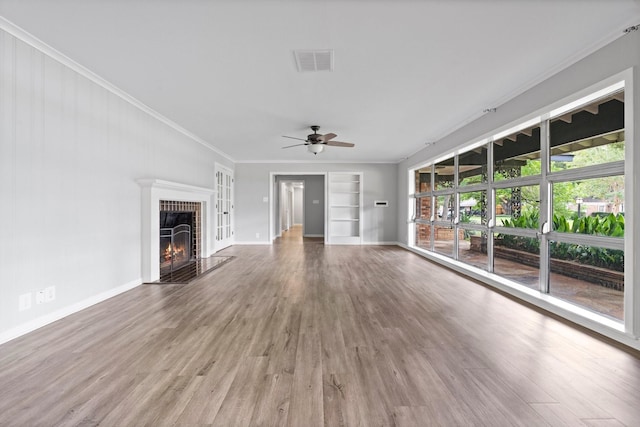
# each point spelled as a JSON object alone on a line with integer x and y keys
{"x": 314, "y": 60}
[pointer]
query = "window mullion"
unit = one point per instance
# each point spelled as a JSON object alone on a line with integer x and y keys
{"x": 588, "y": 172}
{"x": 455, "y": 215}
{"x": 545, "y": 207}
{"x": 491, "y": 207}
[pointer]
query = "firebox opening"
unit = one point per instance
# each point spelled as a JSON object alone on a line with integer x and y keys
{"x": 176, "y": 240}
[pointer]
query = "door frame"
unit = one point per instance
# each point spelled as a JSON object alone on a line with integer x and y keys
{"x": 221, "y": 244}
{"x": 273, "y": 182}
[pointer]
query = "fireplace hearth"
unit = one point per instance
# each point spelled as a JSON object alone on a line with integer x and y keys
{"x": 179, "y": 250}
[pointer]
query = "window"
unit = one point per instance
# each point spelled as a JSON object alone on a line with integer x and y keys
{"x": 589, "y": 135}
{"x": 472, "y": 167}
{"x": 540, "y": 204}
{"x": 517, "y": 154}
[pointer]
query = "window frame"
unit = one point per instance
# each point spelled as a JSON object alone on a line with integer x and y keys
{"x": 630, "y": 327}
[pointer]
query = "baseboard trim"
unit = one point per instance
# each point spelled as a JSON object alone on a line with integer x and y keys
{"x": 252, "y": 243}
{"x": 381, "y": 243}
{"x": 313, "y": 235}
{"x": 41, "y": 321}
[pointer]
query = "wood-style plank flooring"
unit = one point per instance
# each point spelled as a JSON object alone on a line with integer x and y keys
{"x": 300, "y": 334}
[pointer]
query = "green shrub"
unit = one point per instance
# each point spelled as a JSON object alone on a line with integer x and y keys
{"x": 610, "y": 225}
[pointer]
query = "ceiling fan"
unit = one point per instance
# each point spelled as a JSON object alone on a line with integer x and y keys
{"x": 316, "y": 141}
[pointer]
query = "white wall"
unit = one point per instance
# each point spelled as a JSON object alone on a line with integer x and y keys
{"x": 283, "y": 208}
{"x": 252, "y": 185}
{"x": 70, "y": 154}
{"x": 298, "y": 195}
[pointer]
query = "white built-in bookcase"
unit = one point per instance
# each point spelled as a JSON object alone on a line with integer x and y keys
{"x": 345, "y": 208}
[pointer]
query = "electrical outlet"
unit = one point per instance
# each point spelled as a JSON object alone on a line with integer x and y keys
{"x": 25, "y": 302}
{"x": 49, "y": 294}
{"x": 257, "y": 235}
{"x": 40, "y": 297}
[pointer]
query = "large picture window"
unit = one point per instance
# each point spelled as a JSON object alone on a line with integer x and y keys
{"x": 541, "y": 204}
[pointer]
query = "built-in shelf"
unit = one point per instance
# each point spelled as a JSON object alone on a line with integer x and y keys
{"x": 345, "y": 208}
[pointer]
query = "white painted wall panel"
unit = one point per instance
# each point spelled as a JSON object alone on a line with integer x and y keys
{"x": 70, "y": 154}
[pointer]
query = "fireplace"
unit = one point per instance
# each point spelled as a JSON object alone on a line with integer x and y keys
{"x": 165, "y": 196}
{"x": 176, "y": 240}
{"x": 179, "y": 234}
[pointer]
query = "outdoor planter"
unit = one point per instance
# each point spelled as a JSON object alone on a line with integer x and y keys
{"x": 601, "y": 276}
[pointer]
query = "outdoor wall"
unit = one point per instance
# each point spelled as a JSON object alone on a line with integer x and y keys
{"x": 252, "y": 188}
{"x": 71, "y": 151}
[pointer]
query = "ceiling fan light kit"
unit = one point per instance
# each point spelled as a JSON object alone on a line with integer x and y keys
{"x": 316, "y": 148}
{"x": 316, "y": 142}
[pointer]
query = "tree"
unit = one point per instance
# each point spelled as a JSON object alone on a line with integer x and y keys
{"x": 610, "y": 188}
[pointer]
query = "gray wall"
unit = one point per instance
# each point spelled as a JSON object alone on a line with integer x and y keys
{"x": 314, "y": 213}
{"x": 252, "y": 184}
{"x": 70, "y": 154}
{"x": 614, "y": 58}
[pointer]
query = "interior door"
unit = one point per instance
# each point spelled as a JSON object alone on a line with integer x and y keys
{"x": 224, "y": 208}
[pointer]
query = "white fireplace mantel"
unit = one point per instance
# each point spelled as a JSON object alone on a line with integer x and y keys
{"x": 154, "y": 190}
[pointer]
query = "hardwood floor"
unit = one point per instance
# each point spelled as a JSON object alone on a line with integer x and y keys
{"x": 308, "y": 335}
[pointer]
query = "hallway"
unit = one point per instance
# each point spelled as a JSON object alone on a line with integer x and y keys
{"x": 294, "y": 236}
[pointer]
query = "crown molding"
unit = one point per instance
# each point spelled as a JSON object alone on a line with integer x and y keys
{"x": 36, "y": 43}
{"x": 322, "y": 162}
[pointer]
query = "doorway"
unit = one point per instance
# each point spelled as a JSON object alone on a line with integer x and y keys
{"x": 297, "y": 210}
{"x": 291, "y": 204}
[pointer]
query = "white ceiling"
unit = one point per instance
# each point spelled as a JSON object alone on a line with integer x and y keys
{"x": 406, "y": 72}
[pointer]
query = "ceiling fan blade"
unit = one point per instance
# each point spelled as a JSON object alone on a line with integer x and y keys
{"x": 293, "y": 137}
{"x": 295, "y": 145}
{"x": 340, "y": 144}
{"x": 328, "y": 136}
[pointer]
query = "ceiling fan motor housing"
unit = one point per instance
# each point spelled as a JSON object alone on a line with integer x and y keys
{"x": 314, "y": 137}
